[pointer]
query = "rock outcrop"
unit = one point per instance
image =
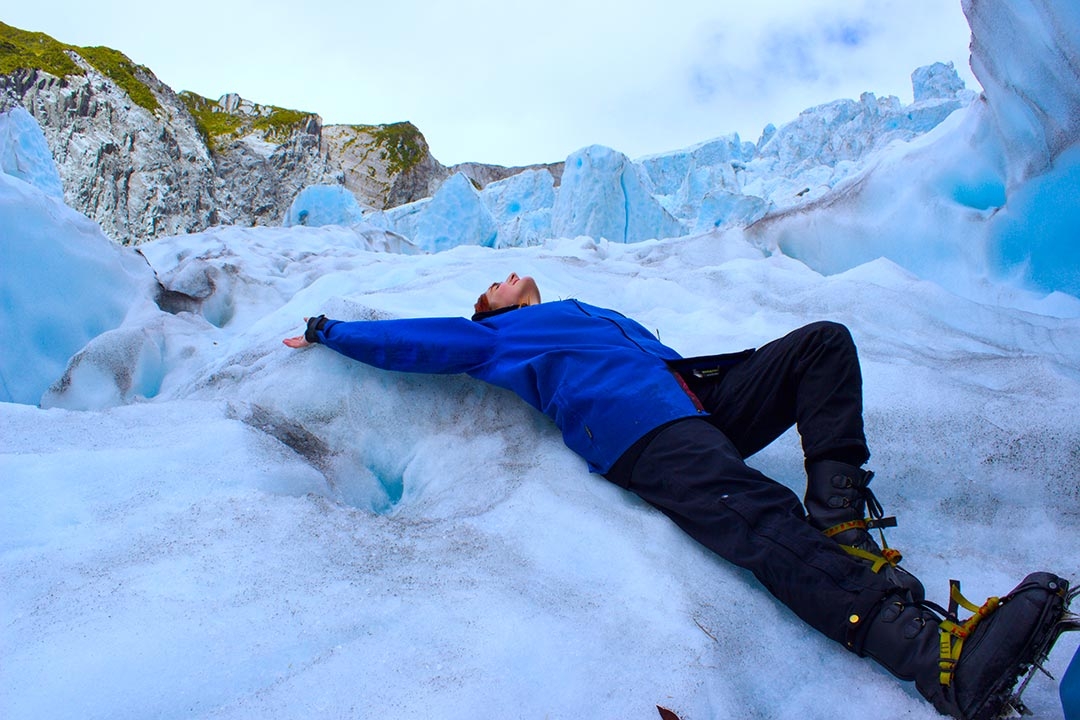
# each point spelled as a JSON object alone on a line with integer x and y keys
{"x": 144, "y": 161}
{"x": 139, "y": 170}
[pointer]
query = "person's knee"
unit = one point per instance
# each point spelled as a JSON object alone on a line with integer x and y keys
{"x": 831, "y": 332}
{"x": 829, "y": 327}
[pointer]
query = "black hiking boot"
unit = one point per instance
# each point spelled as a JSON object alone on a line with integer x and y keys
{"x": 969, "y": 669}
{"x": 837, "y": 501}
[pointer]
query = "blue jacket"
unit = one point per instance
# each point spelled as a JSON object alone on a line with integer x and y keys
{"x": 603, "y": 378}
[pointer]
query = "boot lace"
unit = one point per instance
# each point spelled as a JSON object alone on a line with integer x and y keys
{"x": 875, "y": 521}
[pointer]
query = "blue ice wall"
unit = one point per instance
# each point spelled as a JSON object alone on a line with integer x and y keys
{"x": 1035, "y": 238}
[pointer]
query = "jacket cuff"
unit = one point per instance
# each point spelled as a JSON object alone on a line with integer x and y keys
{"x": 314, "y": 325}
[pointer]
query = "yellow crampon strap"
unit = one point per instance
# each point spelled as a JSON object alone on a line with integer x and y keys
{"x": 953, "y": 633}
{"x": 888, "y": 555}
{"x": 876, "y": 561}
{"x": 845, "y": 526}
{"x": 892, "y": 555}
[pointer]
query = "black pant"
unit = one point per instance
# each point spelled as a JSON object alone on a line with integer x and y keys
{"x": 694, "y": 471}
{"x": 809, "y": 377}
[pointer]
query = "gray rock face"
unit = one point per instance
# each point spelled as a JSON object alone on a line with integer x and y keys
{"x": 483, "y": 174}
{"x": 138, "y": 174}
{"x": 191, "y": 163}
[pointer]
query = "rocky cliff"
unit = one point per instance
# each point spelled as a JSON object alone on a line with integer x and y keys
{"x": 144, "y": 161}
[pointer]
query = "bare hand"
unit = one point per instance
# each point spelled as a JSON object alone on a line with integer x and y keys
{"x": 298, "y": 341}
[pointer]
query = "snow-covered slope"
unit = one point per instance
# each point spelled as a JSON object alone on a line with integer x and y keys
{"x": 287, "y": 533}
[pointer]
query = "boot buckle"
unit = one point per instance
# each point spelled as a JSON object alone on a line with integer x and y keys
{"x": 885, "y": 522}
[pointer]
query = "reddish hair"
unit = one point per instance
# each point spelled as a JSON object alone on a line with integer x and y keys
{"x": 482, "y": 304}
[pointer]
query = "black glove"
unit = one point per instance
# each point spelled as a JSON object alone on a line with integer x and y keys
{"x": 314, "y": 325}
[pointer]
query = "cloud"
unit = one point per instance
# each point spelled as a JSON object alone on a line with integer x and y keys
{"x": 770, "y": 58}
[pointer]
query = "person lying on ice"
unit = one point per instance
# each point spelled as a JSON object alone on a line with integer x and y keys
{"x": 676, "y": 432}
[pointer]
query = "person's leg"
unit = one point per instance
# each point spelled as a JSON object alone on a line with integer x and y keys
{"x": 694, "y": 474}
{"x": 809, "y": 378}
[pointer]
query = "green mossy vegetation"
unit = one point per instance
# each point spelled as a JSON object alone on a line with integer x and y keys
{"x": 280, "y": 123}
{"x": 119, "y": 68}
{"x": 401, "y": 144}
{"x": 218, "y": 127}
{"x": 215, "y": 127}
{"x": 23, "y": 50}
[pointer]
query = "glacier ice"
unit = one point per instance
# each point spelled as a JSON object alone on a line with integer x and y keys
{"x": 318, "y": 205}
{"x": 289, "y": 533}
{"x": 63, "y": 284}
{"x": 1024, "y": 54}
{"x": 937, "y": 81}
{"x": 1003, "y": 157}
{"x": 828, "y": 157}
{"x": 115, "y": 368}
{"x": 604, "y": 195}
{"x": 693, "y": 185}
{"x": 25, "y": 154}
{"x": 454, "y": 216}
{"x": 521, "y": 206}
{"x": 721, "y": 183}
{"x": 1036, "y": 236}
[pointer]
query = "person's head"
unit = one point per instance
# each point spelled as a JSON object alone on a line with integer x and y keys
{"x": 513, "y": 290}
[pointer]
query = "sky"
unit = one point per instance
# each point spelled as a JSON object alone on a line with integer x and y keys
{"x": 522, "y": 83}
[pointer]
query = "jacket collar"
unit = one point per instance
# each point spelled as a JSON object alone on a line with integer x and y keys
{"x": 477, "y": 317}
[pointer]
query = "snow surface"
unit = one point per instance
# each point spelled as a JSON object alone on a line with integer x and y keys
{"x": 198, "y": 522}
{"x": 290, "y": 534}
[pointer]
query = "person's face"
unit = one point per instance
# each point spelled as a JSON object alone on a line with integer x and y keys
{"x": 513, "y": 290}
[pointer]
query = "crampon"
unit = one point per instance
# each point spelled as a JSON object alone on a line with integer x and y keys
{"x": 988, "y": 660}
{"x": 1067, "y": 621}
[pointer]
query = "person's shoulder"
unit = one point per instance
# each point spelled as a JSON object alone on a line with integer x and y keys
{"x": 596, "y": 309}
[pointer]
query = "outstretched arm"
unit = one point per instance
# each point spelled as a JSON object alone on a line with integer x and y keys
{"x": 428, "y": 345}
